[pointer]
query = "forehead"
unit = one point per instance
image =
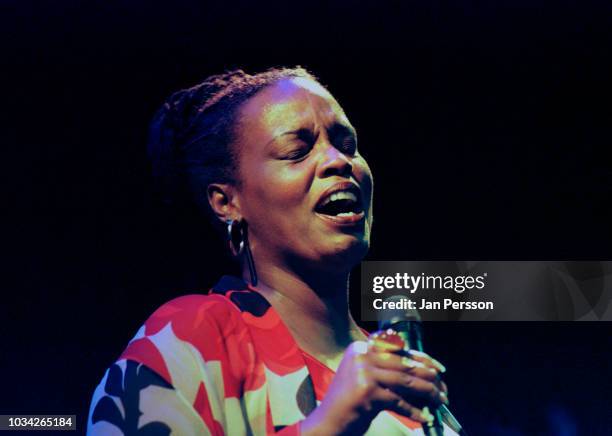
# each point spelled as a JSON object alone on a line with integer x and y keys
{"x": 291, "y": 104}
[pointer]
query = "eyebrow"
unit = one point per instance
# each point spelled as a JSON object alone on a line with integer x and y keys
{"x": 334, "y": 130}
{"x": 301, "y": 132}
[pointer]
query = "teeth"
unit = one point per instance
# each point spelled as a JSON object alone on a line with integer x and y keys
{"x": 346, "y": 214}
{"x": 340, "y": 195}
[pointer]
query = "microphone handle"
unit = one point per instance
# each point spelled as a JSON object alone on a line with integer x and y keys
{"x": 410, "y": 333}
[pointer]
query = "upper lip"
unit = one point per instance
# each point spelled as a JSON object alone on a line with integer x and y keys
{"x": 340, "y": 186}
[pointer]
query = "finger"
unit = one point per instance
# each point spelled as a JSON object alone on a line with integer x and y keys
{"x": 443, "y": 387}
{"x": 409, "y": 386}
{"x": 387, "y": 340}
{"x": 395, "y": 362}
{"x": 394, "y": 402}
{"x": 426, "y": 359}
{"x": 420, "y": 388}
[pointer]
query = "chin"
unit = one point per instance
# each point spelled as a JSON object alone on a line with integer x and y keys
{"x": 345, "y": 252}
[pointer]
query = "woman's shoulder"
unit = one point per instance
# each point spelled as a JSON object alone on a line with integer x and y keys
{"x": 192, "y": 312}
{"x": 196, "y": 324}
{"x": 186, "y": 341}
{"x": 217, "y": 312}
{"x": 166, "y": 365}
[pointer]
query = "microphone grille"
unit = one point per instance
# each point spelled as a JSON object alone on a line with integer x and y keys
{"x": 396, "y": 309}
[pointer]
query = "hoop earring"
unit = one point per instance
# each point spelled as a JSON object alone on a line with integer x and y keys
{"x": 237, "y": 234}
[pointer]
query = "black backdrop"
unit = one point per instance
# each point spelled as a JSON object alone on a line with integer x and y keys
{"x": 486, "y": 125}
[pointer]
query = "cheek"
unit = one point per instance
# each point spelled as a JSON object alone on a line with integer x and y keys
{"x": 363, "y": 174}
{"x": 280, "y": 187}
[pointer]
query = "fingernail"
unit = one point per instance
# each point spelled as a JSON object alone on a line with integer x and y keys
{"x": 426, "y": 416}
{"x": 360, "y": 347}
{"x": 438, "y": 365}
{"x": 408, "y": 363}
{"x": 444, "y": 398}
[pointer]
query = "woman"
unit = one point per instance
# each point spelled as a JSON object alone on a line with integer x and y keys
{"x": 273, "y": 159}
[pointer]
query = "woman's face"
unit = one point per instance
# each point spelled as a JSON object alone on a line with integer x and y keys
{"x": 305, "y": 190}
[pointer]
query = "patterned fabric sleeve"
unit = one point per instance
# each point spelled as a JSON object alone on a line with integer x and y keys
{"x": 134, "y": 400}
{"x": 190, "y": 370}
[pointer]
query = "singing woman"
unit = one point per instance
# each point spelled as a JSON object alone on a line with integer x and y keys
{"x": 273, "y": 161}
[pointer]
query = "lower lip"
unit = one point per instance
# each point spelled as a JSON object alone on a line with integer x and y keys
{"x": 343, "y": 221}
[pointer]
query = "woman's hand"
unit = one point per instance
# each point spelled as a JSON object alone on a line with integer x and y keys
{"x": 374, "y": 377}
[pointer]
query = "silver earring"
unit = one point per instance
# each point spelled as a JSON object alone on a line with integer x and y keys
{"x": 235, "y": 236}
{"x": 237, "y": 233}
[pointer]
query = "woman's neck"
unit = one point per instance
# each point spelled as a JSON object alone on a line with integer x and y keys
{"x": 314, "y": 309}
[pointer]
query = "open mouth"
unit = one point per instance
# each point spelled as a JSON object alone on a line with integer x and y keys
{"x": 342, "y": 204}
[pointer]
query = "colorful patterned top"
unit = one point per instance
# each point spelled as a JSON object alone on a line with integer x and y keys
{"x": 220, "y": 364}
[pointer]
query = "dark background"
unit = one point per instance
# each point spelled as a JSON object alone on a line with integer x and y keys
{"x": 486, "y": 124}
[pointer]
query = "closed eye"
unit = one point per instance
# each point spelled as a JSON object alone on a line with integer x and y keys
{"x": 299, "y": 147}
{"x": 297, "y": 153}
{"x": 343, "y": 138}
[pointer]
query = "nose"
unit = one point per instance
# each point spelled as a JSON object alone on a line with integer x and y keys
{"x": 335, "y": 163}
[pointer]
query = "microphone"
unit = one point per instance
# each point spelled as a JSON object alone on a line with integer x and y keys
{"x": 407, "y": 324}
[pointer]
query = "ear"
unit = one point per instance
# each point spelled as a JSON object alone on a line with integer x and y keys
{"x": 223, "y": 200}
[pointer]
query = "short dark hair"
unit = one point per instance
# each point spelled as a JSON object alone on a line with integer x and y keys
{"x": 191, "y": 135}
